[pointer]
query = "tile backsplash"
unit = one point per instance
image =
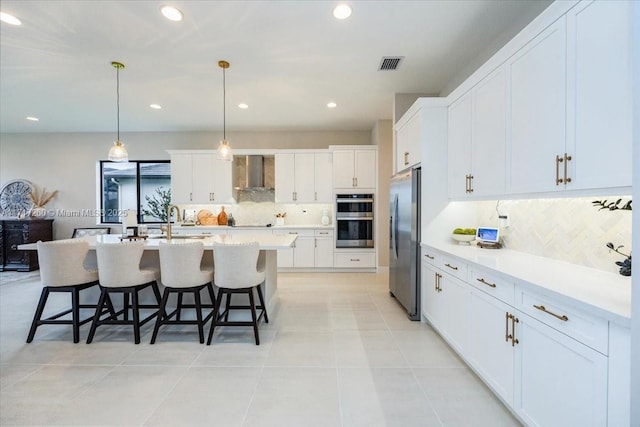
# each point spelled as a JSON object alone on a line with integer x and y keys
{"x": 572, "y": 230}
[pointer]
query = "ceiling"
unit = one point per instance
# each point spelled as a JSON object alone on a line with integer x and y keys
{"x": 288, "y": 60}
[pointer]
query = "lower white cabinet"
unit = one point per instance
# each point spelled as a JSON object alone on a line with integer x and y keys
{"x": 559, "y": 381}
{"x": 354, "y": 260}
{"x": 324, "y": 248}
{"x": 551, "y": 369}
{"x": 490, "y": 350}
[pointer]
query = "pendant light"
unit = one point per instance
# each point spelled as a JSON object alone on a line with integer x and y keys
{"x": 224, "y": 149}
{"x": 118, "y": 153}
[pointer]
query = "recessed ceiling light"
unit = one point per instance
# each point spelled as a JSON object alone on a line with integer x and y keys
{"x": 9, "y": 19}
{"x": 342, "y": 11}
{"x": 243, "y": 106}
{"x": 171, "y": 13}
{"x": 332, "y": 105}
{"x": 33, "y": 119}
{"x": 156, "y": 106}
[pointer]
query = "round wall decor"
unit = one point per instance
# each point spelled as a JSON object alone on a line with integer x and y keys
{"x": 15, "y": 199}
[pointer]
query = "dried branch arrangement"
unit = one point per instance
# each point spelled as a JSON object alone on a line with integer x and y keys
{"x": 41, "y": 198}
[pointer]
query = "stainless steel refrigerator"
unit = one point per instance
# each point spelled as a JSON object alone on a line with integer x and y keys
{"x": 404, "y": 241}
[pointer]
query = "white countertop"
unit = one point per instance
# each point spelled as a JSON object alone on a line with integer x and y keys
{"x": 259, "y": 227}
{"x": 602, "y": 293}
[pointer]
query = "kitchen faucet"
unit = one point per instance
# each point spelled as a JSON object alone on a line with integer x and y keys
{"x": 178, "y": 218}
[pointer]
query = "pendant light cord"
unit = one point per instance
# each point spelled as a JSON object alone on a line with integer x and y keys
{"x": 118, "y": 99}
{"x": 224, "y": 106}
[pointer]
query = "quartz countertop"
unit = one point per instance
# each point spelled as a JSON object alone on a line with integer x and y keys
{"x": 602, "y": 293}
{"x": 226, "y": 227}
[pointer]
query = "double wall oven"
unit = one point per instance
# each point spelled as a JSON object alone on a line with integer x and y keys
{"x": 354, "y": 220}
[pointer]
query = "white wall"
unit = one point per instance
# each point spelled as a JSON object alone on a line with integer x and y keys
{"x": 67, "y": 161}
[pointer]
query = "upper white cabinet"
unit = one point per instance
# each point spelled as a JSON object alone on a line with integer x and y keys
{"x": 200, "y": 178}
{"x": 421, "y": 124}
{"x": 477, "y": 139}
{"x": 539, "y": 160}
{"x": 355, "y": 168}
{"x": 303, "y": 177}
{"x": 599, "y": 36}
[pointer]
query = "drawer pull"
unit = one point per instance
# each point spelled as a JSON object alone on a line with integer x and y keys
{"x": 293, "y": 232}
{"x": 542, "y": 308}
{"x": 484, "y": 282}
{"x": 429, "y": 256}
{"x": 453, "y": 267}
{"x": 355, "y": 259}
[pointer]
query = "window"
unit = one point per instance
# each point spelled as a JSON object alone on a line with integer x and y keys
{"x": 141, "y": 186}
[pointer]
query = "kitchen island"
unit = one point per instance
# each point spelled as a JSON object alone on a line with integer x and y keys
{"x": 269, "y": 246}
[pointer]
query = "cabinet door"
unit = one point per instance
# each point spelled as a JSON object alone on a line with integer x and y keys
{"x": 304, "y": 171}
{"x": 599, "y": 36}
{"x": 537, "y": 74}
{"x": 181, "y": 178}
{"x": 304, "y": 252}
{"x": 324, "y": 252}
{"x": 323, "y": 177}
{"x": 559, "y": 381}
{"x": 488, "y": 148}
{"x": 365, "y": 168}
{"x": 285, "y": 177}
{"x": 222, "y": 181}
{"x": 459, "y": 147}
{"x": 430, "y": 296}
{"x": 343, "y": 172}
{"x": 489, "y": 350}
{"x": 408, "y": 143}
{"x": 454, "y": 297}
{"x": 203, "y": 178}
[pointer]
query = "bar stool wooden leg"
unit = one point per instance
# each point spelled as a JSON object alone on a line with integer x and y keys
{"x": 38, "y": 315}
{"x": 253, "y": 316}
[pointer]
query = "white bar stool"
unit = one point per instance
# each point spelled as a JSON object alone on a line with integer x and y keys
{"x": 180, "y": 272}
{"x": 235, "y": 271}
{"x": 119, "y": 272}
{"x": 62, "y": 270}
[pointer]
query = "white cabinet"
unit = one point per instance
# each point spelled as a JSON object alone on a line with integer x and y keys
{"x": 408, "y": 143}
{"x": 355, "y": 168}
{"x": 302, "y": 254}
{"x": 539, "y": 160}
{"x": 477, "y": 139}
{"x": 354, "y": 259}
{"x": 303, "y": 177}
{"x": 431, "y": 309}
{"x": 599, "y": 36}
{"x": 200, "y": 178}
{"x": 324, "y": 248}
{"x": 559, "y": 381}
{"x": 490, "y": 350}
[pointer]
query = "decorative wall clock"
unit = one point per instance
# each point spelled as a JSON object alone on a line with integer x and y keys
{"x": 14, "y": 198}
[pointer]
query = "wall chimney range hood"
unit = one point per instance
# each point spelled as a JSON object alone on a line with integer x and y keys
{"x": 254, "y": 178}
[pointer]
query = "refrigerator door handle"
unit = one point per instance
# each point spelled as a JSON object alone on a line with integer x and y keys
{"x": 395, "y": 226}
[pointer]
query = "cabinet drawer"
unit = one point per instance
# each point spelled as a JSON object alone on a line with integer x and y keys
{"x": 581, "y": 326}
{"x": 430, "y": 257}
{"x": 492, "y": 284}
{"x": 298, "y": 232}
{"x": 324, "y": 233}
{"x": 354, "y": 260}
{"x": 454, "y": 267}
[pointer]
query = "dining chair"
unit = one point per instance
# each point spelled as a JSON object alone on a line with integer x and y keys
{"x": 236, "y": 272}
{"x": 119, "y": 272}
{"x": 181, "y": 274}
{"x": 62, "y": 269}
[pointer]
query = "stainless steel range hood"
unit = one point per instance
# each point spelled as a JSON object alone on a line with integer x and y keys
{"x": 253, "y": 178}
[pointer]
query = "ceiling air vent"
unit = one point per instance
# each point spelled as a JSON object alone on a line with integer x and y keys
{"x": 389, "y": 63}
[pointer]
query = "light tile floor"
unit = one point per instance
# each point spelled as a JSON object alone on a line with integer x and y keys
{"x": 339, "y": 351}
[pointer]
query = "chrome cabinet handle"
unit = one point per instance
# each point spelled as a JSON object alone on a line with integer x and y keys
{"x": 484, "y": 282}
{"x": 406, "y": 158}
{"x": 564, "y": 318}
{"x": 514, "y": 340}
{"x": 470, "y": 183}
{"x": 566, "y": 165}
{"x": 558, "y": 161}
{"x": 453, "y": 267}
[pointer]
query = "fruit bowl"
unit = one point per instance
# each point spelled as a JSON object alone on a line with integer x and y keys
{"x": 463, "y": 239}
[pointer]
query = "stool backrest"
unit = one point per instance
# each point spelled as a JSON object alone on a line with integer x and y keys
{"x": 236, "y": 265}
{"x": 119, "y": 263}
{"x": 61, "y": 263}
{"x": 180, "y": 263}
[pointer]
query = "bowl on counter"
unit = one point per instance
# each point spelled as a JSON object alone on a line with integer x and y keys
{"x": 463, "y": 239}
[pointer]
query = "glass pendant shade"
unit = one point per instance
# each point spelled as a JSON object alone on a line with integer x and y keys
{"x": 118, "y": 153}
{"x": 224, "y": 150}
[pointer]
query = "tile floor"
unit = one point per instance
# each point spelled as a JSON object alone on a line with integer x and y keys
{"x": 338, "y": 352}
